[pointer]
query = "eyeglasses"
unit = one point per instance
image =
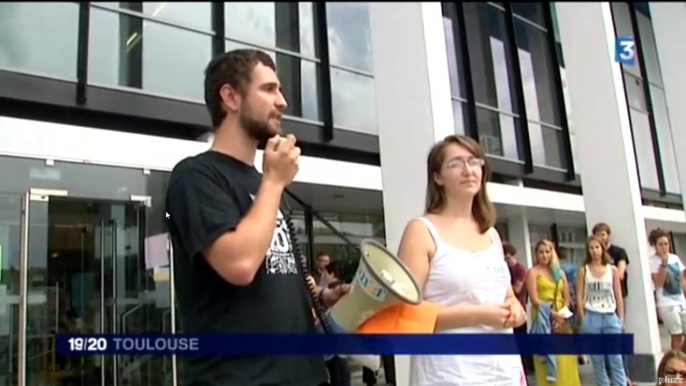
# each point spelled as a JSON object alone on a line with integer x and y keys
{"x": 459, "y": 163}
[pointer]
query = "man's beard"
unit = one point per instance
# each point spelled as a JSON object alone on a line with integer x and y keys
{"x": 257, "y": 129}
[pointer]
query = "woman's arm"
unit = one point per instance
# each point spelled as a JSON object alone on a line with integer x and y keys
{"x": 580, "y": 291}
{"x": 619, "y": 298}
{"x": 531, "y": 287}
{"x": 416, "y": 247}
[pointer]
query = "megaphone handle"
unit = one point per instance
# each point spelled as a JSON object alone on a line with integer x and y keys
{"x": 319, "y": 308}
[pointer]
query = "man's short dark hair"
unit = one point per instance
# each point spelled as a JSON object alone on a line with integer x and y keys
{"x": 235, "y": 69}
{"x": 509, "y": 249}
{"x": 601, "y": 227}
{"x": 322, "y": 254}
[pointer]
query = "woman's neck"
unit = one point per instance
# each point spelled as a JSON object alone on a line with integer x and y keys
{"x": 458, "y": 208}
{"x": 597, "y": 263}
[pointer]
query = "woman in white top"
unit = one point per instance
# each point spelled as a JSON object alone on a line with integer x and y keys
{"x": 601, "y": 307}
{"x": 667, "y": 272}
{"x": 456, "y": 256}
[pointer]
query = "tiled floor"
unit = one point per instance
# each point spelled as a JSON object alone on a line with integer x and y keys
{"x": 585, "y": 371}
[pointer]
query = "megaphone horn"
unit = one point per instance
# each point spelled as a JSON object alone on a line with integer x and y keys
{"x": 381, "y": 281}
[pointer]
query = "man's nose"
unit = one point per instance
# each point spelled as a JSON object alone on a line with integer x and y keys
{"x": 281, "y": 102}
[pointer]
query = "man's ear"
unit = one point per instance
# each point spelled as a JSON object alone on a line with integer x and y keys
{"x": 230, "y": 98}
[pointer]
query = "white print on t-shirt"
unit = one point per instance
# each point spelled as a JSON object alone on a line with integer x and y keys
{"x": 280, "y": 259}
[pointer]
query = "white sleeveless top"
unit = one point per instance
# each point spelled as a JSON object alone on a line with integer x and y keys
{"x": 456, "y": 277}
{"x": 600, "y": 294}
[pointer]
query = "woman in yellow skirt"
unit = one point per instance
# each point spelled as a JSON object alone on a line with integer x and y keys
{"x": 543, "y": 288}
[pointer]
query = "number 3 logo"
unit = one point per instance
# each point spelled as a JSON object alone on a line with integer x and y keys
{"x": 626, "y": 50}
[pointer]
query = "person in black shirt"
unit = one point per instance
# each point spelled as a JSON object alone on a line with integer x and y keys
{"x": 235, "y": 270}
{"x": 618, "y": 254}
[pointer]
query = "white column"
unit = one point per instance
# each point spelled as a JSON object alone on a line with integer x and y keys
{"x": 669, "y": 28}
{"x": 607, "y": 163}
{"x": 519, "y": 237}
{"x": 414, "y": 110}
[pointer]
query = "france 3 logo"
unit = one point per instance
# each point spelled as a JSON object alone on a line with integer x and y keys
{"x": 625, "y": 50}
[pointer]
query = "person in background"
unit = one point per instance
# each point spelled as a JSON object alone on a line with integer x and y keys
{"x": 667, "y": 272}
{"x": 518, "y": 282}
{"x": 570, "y": 269}
{"x": 339, "y": 370}
{"x": 672, "y": 369}
{"x": 620, "y": 259}
{"x": 600, "y": 307}
{"x": 549, "y": 292}
{"x": 321, "y": 276}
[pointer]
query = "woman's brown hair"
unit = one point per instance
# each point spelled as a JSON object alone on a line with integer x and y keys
{"x": 606, "y": 257}
{"x": 669, "y": 355}
{"x": 482, "y": 208}
{"x": 656, "y": 234}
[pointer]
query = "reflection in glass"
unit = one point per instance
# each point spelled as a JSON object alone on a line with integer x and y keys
{"x": 488, "y": 46}
{"x": 354, "y": 99}
{"x": 127, "y": 51}
{"x": 460, "y": 117}
{"x": 197, "y": 15}
{"x": 88, "y": 273}
{"x": 634, "y": 92}
{"x": 350, "y": 47}
{"x": 645, "y": 157}
{"x": 499, "y": 133}
{"x": 533, "y": 12}
{"x": 664, "y": 137}
{"x": 649, "y": 49}
{"x": 39, "y": 38}
{"x": 10, "y": 231}
{"x": 453, "y": 49}
{"x": 289, "y": 26}
{"x": 548, "y": 151}
{"x": 537, "y": 74}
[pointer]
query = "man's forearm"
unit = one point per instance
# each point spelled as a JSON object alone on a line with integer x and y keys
{"x": 238, "y": 255}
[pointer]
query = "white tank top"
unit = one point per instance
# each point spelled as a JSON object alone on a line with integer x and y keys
{"x": 600, "y": 294}
{"x": 455, "y": 277}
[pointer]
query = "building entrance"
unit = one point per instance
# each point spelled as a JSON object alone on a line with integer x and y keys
{"x": 85, "y": 271}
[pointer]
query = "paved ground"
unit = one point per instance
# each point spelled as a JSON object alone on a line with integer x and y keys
{"x": 585, "y": 371}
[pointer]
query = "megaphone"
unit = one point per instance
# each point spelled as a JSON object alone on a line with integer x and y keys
{"x": 381, "y": 281}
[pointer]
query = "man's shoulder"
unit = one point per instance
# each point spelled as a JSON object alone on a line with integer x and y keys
{"x": 520, "y": 269}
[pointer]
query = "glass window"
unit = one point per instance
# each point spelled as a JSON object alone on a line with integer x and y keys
{"x": 453, "y": 50}
{"x": 285, "y": 25}
{"x": 556, "y": 26}
{"x": 350, "y": 43}
{"x": 652, "y": 64}
{"x": 39, "y": 38}
{"x": 353, "y": 97}
{"x": 488, "y": 54}
{"x": 499, "y": 133}
{"x": 533, "y": 12}
{"x": 635, "y": 93}
{"x": 664, "y": 136}
{"x": 548, "y": 150}
{"x": 299, "y": 81}
{"x": 645, "y": 157}
{"x": 460, "y": 117}
{"x": 197, "y": 15}
{"x": 130, "y": 52}
{"x": 620, "y": 15}
{"x": 537, "y": 74}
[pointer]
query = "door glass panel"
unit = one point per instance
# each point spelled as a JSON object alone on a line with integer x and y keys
{"x": 10, "y": 240}
{"x": 87, "y": 273}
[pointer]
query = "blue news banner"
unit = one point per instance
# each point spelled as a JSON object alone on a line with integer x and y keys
{"x": 343, "y": 344}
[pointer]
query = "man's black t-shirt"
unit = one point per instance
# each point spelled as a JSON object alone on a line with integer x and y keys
{"x": 208, "y": 194}
{"x": 619, "y": 254}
